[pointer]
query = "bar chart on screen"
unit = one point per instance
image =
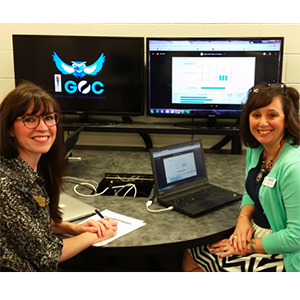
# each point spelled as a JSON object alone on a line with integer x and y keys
{"x": 211, "y": 80}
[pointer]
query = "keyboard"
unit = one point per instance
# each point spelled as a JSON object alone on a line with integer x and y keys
{"x": 200, "y": 195}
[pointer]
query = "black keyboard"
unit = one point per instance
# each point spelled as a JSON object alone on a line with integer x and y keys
{"x": 205, "y": 193}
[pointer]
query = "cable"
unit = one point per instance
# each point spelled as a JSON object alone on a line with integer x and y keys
{"x": 132, "y": 186}
{"x": 149, "y": 203}
{"x": 94, "y": 189}
{"x": 132, "y": 178}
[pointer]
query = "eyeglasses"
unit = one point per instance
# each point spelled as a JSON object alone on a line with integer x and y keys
{"x": 274, "y": 85}
{"x": 33, "y": 121}
{"x": 277, "y": 85}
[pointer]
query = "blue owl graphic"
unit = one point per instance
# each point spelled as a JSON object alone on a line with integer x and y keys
{"x": 79, "y": 68}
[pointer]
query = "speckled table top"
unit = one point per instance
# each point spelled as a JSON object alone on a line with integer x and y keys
{"x": 167, "y": 230}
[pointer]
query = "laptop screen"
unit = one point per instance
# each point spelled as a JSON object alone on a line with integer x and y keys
{"x": 176, "y": 165}
{"x": 72, "y": 139}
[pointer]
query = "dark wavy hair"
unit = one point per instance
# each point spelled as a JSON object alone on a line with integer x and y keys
{"x": 51, "y": 164}
{"x": 262, "y": 95}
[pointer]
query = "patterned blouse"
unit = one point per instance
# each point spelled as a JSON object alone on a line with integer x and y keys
{"x": 27, "y": 241}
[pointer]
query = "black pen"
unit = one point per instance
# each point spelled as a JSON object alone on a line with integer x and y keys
{"x": 99, "y": 213}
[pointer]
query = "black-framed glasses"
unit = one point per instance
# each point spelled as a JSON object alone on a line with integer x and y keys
{"x": 33, "y": 121}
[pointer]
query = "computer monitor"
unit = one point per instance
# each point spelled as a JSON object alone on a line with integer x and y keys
{"x": 208, "y": 77}
{"x": 88, "y": 75}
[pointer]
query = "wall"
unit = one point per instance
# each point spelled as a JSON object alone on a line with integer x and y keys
{"x": 291, "y": 60}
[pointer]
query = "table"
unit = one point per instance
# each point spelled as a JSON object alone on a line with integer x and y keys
{"x": 165, "y": 233}
{"x": 231, "y": 132}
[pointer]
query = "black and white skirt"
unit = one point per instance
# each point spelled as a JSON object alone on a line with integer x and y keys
{"x": 255, "y": 262}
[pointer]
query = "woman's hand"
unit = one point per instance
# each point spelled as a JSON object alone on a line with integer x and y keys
{"x": 110, "y": 229}
{"x": 99, "y": 227}
{"x": 223, "y": 246}
{"x": 242, "y": 235}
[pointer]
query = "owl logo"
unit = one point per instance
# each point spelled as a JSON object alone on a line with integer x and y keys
{"x": 79, "y": 68}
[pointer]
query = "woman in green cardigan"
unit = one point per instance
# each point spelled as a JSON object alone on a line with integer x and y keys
{"x": 267, "y": 233}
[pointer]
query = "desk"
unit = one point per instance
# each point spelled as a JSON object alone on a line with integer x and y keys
{"x": 167, "y": 232}
{"x": 144, "y": 130}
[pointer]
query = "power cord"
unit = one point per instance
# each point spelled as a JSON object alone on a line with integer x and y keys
{"x": 150, "y": 202}
{"x": 94, "y": 188}
{"x": 120, "y": 187}
{"x": 130, "y": 186}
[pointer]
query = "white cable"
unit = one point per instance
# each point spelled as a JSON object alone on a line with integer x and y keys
{"x": 94, "y": 195}
{"x": 149, "y": 203}
{"x": 123, "y": 186}
{"x": 98, "y": 194}
{"x": 132, "y": 187}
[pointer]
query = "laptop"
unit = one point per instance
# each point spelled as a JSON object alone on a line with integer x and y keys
{"x": 74, "y": 209}
{"x": 72, "y": 139}
{"x": 179, "y": 172}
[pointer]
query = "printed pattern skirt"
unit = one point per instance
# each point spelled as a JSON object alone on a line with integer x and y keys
{"x": 255, "y": 262}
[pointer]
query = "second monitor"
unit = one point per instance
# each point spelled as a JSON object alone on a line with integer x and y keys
{"x": 208, "y": 77}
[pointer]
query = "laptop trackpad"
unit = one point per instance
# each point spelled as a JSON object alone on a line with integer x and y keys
{"x": 201, "y": 206}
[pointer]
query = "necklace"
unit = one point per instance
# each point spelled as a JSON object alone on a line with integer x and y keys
{"x": 263, "y": 168}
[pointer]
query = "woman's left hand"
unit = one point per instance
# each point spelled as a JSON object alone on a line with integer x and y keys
{"x": 95, "y": 226}
{"x": 224, "y": 248}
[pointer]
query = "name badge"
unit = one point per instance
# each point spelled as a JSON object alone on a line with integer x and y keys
{"x": 269, "y": 182}
{"x": 40, "y": 200}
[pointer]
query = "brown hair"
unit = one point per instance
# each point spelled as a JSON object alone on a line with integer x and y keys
{"x": 51, "y": 164}
{"x": 262, "y": 95}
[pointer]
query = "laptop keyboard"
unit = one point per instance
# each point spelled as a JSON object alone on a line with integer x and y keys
{"x": 205, "y": 193}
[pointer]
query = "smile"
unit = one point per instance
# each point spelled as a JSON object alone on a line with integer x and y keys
{"x": 41, "y": 138}
{"x": 264, "y": 131}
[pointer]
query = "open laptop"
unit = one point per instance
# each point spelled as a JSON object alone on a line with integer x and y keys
{"x": 72, "y": 139}
{"x": 179, "y": 171}
{"x": 74, "y": 209}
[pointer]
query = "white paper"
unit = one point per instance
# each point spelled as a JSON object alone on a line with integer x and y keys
{"x": 125, "y": 225}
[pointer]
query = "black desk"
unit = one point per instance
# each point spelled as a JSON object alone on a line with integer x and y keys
{"x": 165, "y": 234}
{"x": 143, "y": 129}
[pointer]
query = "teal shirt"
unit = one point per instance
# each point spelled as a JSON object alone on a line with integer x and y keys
{"x": 281, "y": 204}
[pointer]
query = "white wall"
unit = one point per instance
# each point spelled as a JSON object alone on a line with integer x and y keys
{"x": 291, "y": 60}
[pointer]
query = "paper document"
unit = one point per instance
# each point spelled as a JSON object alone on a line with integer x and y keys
{"x": 125, "y": 225}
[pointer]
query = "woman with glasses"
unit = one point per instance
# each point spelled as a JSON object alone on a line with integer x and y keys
{"x": 267, "y": 233}
{"x": 32, "y": 165}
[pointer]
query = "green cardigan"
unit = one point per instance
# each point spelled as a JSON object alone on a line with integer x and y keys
{"x": 281, "y": 204}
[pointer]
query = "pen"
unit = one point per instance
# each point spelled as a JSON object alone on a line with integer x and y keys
{"x": 99, "y": 213}
{"x": 101, "y": 216}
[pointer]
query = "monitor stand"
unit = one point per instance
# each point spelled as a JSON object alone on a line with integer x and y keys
{"x": 211, "y": 122}
{"x": 127, "y": 120}
{"x": 84, "y": 120}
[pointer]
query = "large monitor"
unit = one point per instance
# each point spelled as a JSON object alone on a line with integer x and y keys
{"x": 208, "y": 77}
{"x": 87, "y": 75}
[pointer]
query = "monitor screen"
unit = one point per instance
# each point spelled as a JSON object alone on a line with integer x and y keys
{"x": 87, "y": 75}
{"x": 208, "y": 77}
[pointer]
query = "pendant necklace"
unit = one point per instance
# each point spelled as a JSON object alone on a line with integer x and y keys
{"x": 263, "y": 168}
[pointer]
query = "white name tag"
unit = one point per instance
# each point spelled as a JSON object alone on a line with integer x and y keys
{"x": 269, "y": 182}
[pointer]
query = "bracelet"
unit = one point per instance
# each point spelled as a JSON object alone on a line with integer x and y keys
{"x": 252, "y": 245}
{"x": 243, "y": 215}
